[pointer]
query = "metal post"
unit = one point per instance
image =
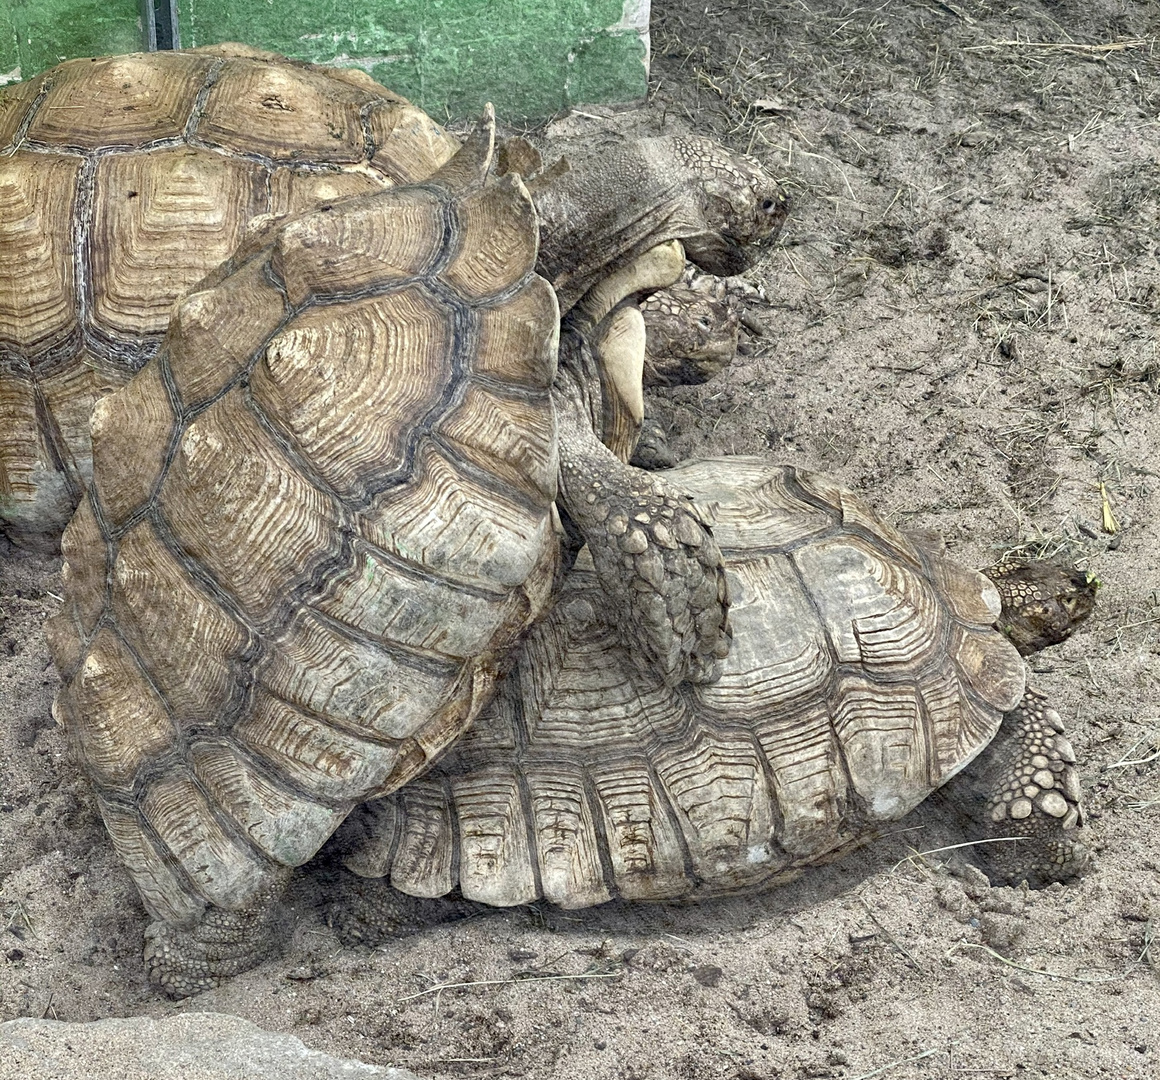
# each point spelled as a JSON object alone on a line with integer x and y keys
{"x": 159, "y": 24}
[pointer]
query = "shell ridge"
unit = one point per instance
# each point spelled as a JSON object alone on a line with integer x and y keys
{"x": 213, "y": 73}
{"x": 20, "y": 135}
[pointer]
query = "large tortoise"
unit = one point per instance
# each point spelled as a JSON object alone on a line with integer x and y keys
{"x": 321, "y": 514}
{"x": 865, "y": 672}
{"x": 125, "y": 180}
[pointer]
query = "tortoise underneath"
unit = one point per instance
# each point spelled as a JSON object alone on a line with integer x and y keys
{"x": 865, "y": 673}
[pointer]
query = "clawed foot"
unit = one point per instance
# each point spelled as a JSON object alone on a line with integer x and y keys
{"x": 1033, "y": 792}
{"x": 182, "y": 963}
{"x": 659, "y": 563}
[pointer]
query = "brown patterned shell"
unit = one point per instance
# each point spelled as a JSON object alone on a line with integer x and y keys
{"x": 124, "y": 181}
{"x": 864, "y": 673}
{"x": 319, "y": 518}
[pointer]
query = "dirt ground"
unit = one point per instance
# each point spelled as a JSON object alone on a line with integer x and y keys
{"x": 961, "y": 323}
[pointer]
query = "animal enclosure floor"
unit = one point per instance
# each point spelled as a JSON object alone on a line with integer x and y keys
{"x": 961, "y": 323}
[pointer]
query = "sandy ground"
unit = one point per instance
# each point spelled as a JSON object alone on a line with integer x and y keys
{"x": 961, "y": 323}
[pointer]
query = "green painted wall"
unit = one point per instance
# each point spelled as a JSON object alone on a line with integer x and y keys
{"x": 37, "y": 34}
{"x": 530, "y": 57}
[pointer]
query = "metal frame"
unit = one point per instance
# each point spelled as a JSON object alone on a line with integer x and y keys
{"x": 159, "y": 22}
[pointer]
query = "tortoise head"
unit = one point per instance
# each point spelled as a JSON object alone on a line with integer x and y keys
{"x": 738, "y": 205}
{"x": 1043, "y": 602}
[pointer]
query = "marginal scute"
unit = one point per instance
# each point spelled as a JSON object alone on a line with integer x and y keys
{"x": 423, "y": 863}
{"x": 37, "y": 197}
{"x": 566, "y": 842}
{"x": 497, "y": 237}
{"x": 994, "y": 669}
{"x": 15, "y": 101}
{"x": 243, "y": 510}
{"x": 84, "y": 569}
{"x": 315, "y": 756}
{"x": 166, "y": 893}
{"x": 226, "y": 870}
{"x": 350, "y": 389}
{"x": 186, "y": 641}
{"x": 120, "y": 722}
{"x": 495, "y": 865}
{"x": 123, "y": 101}
{"x": 358, "y": 684}
{"x": 284, "y": 112}
{"x": 131, "y": 430}
{"x": 509, "y": 438}
{"x": 283, "y": 825}
{"x": 644, "y": 848}
{"x": 23, "y": 456}
{"x": 161, "y": 221}
{"x": 518, "y": 339}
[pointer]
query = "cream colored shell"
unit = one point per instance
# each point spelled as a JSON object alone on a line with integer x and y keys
{"x": 124, "y": 181}
{"x": 863, "y": 674}
{"x": 320, "y": 516}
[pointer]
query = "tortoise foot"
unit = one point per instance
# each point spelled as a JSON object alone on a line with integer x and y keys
{"x": 652, "y": 448}
{"x": 1033, "y": 797}
{"x": 182, "y": 963}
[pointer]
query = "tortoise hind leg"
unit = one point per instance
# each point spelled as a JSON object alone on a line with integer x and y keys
{"x": 1028, "y": 785}
{"x": 182, "y": 963}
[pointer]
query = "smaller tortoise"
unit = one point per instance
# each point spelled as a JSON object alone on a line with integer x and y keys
{"x": 864, "y": 674}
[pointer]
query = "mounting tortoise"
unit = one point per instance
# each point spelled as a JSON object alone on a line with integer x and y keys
{"x": 125, "y": 180}
{"x": 865, "y": 672}
{"x": 324, "y": 511}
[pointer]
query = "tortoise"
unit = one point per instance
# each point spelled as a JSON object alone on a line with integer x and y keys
{"x": 319, "y": 518}
{"x": 865, "y": 673}
{"x": 125, "y": 180}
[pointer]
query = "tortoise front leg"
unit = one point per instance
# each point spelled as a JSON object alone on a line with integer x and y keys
{"x": 1029, "y": 787}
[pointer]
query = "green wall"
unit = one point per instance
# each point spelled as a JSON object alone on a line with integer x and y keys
{"x": 530, "y": 57}
{"x": 37, "y": 34}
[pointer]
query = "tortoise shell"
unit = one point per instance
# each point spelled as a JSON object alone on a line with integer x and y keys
{"x": 319, "y": 517}
{"x": 864, "y": 673}
{"x": 125, "y": 180}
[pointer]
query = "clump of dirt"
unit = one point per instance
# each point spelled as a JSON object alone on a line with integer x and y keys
{"x": 960, "y": 321}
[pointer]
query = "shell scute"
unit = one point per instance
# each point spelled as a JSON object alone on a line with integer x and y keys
{"x": 566, "y": 842}
{"x": 877, "y": 611}
{"x": 284, "y": 112}
{"x": 224, "y": 868}
{"x": 189, "y": 645}
{"x": 160, "y": 220}
{"x": 280, "y": 823}
{"x": 37, "y": 201}
{"x": 518, "y": 340}
{"x": 314, "y": 756}
{"x": 495, "y": 865}
{"x": 408, "y": 145}
{"x": 117, "y": 717}
{"x": 350, "y": 391}
{"x": 497, "y": 240}
{"x": 166, "y": 893}
{"x": 423, "y": 864}
{"x": 122, "y": 101}
{"x": 131, "y": 431}
{"x": 360, "y": 685}
{"x": 374, "y": 242}
{"x": 244, "y": 511}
